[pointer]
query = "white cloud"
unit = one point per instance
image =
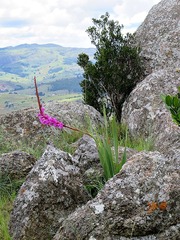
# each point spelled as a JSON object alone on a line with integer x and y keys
{"x": 132, "y": 13}
{"x": 64, "y": 22}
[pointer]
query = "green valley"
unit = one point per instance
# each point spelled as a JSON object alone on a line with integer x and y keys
{"x": 54, "y": 66}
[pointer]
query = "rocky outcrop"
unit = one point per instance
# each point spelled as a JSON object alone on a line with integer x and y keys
{"x": 55, "y": 187}
{"x": 24, "y": 124}
{"x": 52, "y": 190}
{"x": 16, "y": 165}
{"x": 159, "y": 36}
{"x": 75, "y": 114}
{"x": 139, "y": 202}
{"x": 146, "y": 114}
{"x": 142, "y": 201}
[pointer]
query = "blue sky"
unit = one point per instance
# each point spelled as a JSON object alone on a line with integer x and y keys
{"x": 64, "y": 22}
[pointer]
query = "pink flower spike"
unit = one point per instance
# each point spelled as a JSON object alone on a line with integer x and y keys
{"x": 45, "y": 119}
{"x": 48, "y": 120}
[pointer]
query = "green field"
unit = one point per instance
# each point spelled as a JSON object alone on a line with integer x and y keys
{"x": 13, "y": 102}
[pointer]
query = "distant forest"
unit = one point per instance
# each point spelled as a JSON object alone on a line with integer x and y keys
{"x": 70, "y": 84}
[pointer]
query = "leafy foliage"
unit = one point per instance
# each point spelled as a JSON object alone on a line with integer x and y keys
{"x": 117, "y": 68}
{"x": 173, "y": 105}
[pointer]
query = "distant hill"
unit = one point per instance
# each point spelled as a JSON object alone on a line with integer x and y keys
{"x": 50, "y": 63}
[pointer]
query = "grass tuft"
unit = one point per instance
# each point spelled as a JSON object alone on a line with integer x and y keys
{"x": 8, "y": 192}
{"x": 5, "y": 209}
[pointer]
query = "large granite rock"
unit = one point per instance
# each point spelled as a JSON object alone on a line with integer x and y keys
{"x": 146, "y": 114}
{"x": 141, "y": 202}
{"x": 16, "y": 164}
{"x": 24, "y": 124}
{"x": 159, "y": 36}
{"x": 52, "y": 190}
{"x": 75, "y": 114}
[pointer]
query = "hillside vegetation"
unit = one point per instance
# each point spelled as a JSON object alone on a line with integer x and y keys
{"x": 55, "y": 67}
{"x": 49, "y": 62}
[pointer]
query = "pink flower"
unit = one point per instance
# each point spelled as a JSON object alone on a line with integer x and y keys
{"x": 45, "y": 119}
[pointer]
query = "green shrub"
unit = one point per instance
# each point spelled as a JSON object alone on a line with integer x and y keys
{"x": 173, "y": 105}
{"x": 116, "y": 69}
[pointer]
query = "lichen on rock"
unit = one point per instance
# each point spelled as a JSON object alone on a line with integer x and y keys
{"x": 52, "y": 190}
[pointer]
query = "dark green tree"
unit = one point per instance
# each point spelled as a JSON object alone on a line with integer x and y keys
{"x": 117, "y": 67}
